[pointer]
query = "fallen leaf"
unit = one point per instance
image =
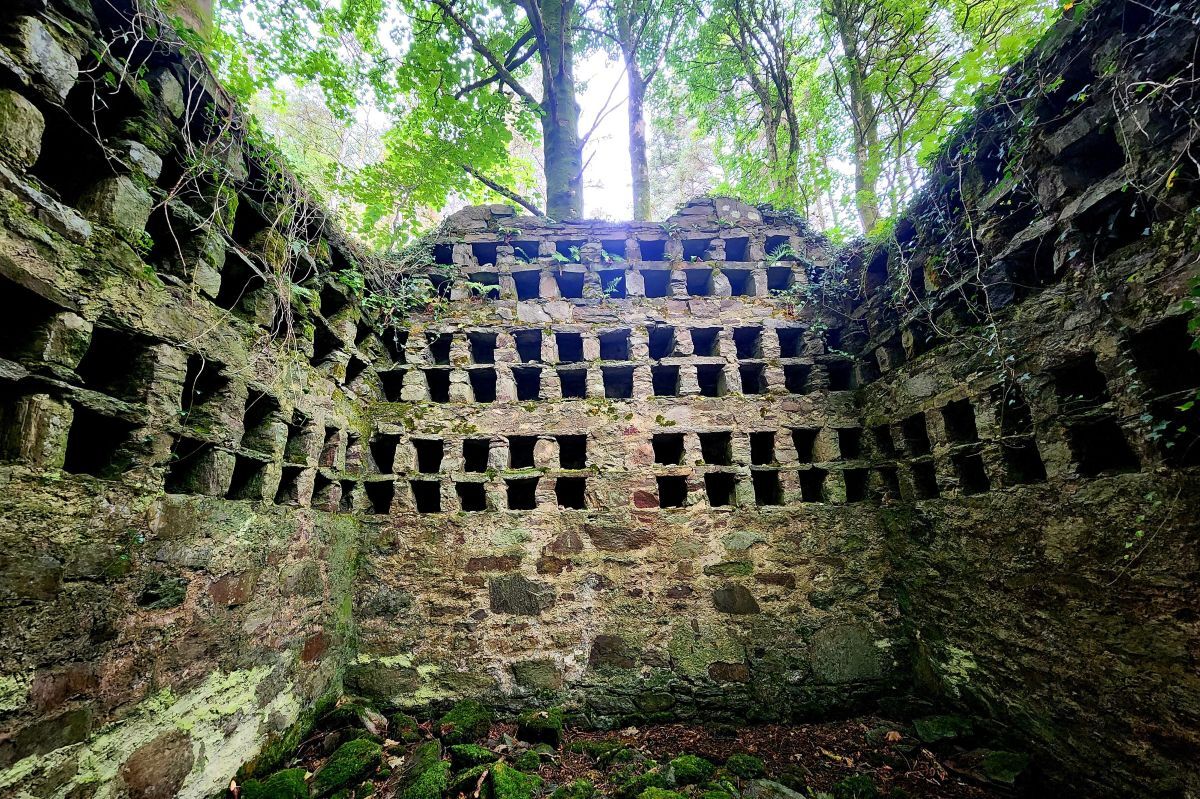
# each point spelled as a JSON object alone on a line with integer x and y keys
{"x": 893, "y": 736}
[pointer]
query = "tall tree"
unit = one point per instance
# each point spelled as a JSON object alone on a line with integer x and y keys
{"x": 641, "y": 32}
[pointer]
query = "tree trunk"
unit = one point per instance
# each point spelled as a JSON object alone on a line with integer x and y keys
{"x": 639, "y": 168}
{"x": 866, "y": 127}
{"x": 561, "y": 147}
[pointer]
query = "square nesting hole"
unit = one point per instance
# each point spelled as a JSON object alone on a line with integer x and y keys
{"x": 116, "y": 363}
{"x": 528, "y": 381}
{"x": 430, "y": 452}
{"x": 427, "y": 495}
{"x": 438, "y": 382}
{"x": 520, "y": 451}
{"x": 972, "y": 477}
{"x": 959, "y": 420}
{"x": 529, "y": 345}
{"x": 804, "y": 439}
{"x": 614, "y": 345}
{"x": 204, "y": 384}
{"x": 915, "y": 434}
{"x": 885, "y": 445}
{"x": 665, "y": 380}
{"x": 331, "y": 446}
{"x": 704, "y": 341}
{"x": 767, "y": 488}
{"x": 569, "y": 492}
{"x": 698, "y": 281}
{"x": 1100, "y": 447}
{"x": 1022, "y": 462}
{"x": 573, "y": 383}
{"x": 570, "y": 347}
{"x": 483, "y": 384}
{"x": 754, "y": 378}
{"x": 1079, "y": 385}
{"x": 924, "y": 479}
{"x": 618, "y": 382}
{"x": 249, "y": 479}
{"x": 856, "y": 484}
{"x": 475, "y": 454}
{"x": 748, "y": 342}
{"x": 484, "y": 284}
{"x": 672, "y": 491}
{"x": 572, "y": 451}
{"x": 791, "y": 341}
{"x": 288, "y": 492}
{"x": 710, "y": 378}
{"x": 741, "y": 282}
{"x": 716, "y": 448}
{"x": 850, "y": 442}
{"x": 528, "y": 283}
{"x": 472, "y": 497}
{"x": 612, "y": 283}
{"x": 522, "y": 493}
{"x": 762, "y": 448}
{"x": 383, "y": 448}
{"x": 812, "y": 485}
{"x": 380, "y": 494}
{"x": 652, "y": 249}
{"x": 439, "y": 347}
{"x": 661, "y": 341}
{"x": 795, "y": 378}
{"x": 720, "y": 488}
{"x": 657, "y": 282}
{"x": 570, "y": 285}
{"x": 779, "y": 278}
{"x": 259, "y": 419}
{"x": 840, "y": 375}
{"x": 483, "y": 347}
{"x": 668, "y": 448}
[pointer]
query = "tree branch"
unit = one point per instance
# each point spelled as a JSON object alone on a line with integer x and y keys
{"x": 503, "y": 190}
{"x": 478, "y": 46}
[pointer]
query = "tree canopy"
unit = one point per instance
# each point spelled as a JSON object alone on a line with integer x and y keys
{"x": 402, "y": 109}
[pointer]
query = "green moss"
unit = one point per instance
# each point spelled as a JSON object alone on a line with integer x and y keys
{"x": 691, "y": 770}
{"x": 579, "y": 789}
{"x": 745, "y": 766}
{"x": 596, "y": 750}
{"x": 508, "y": 783}
{"x": 468, "y": 755}
{"x": 635, "y": 785}
{"x": 403, "y": 727}
{"x": 467, "y": 721}
{"x": 352, "y": 762}
{"x": 464, "y": 782}
{"x": 286, "y": 784}
{"x": 937, "y": 728}
{"x": 659, "y": 793}
{"x": 858, "y": 786}
{"x": 527, "y": 761}
{"x": 1004, "y": 767}
{"x": 541, "y": 726}
{"x": 428, "y": 775}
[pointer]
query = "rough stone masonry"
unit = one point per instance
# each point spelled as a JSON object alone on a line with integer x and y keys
{"x": 713, "y": 468}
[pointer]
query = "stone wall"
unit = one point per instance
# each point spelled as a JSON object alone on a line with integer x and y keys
{"x": 631, "y": 476}
{"x": 171, "y": 603}
{"x": 1045, "y": 556}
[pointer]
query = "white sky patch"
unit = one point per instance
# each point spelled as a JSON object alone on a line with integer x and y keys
{"x": 608, "y": 188}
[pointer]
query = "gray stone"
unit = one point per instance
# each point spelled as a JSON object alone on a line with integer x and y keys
{"x": 21, "y": 129}
{"x": 735, "y": 599}
{"x": 43, "y": 56}
{"x": 519, "y": 596}
{"x": 120, "y": 203}
{"x": 843, "y": 653}
{"x": 141, "y": 157}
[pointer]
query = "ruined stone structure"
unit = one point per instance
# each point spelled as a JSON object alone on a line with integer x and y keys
{"x": 717, "y": 468}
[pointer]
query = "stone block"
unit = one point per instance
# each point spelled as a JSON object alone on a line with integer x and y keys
{"x": 120, "y": 203}
{"x": 43, "y": 58}
{"x": 34, "y": 429}
{"x": 21, "y": 129}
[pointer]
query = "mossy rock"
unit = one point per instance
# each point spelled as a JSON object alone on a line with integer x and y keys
{"x": 509, "y": 783}
{"x": 350, "y": 764}
{"x": 692, "y": 770}
{"x": 636, "y": 784}
{"x": 596, "y": 750}
{"x": 660, "y": 793}
{"x": 541, "y": 726}
{"x": 466, "y": 722}
{"x": 528, "y": 760}
{"x": 464, "y": 782}
{"x": 859, "y": 786}
{"x": 932, "y": 729}
{"x": 467, "y": 755}
{"x": 716, "y": 793}
{"x": 286, "y": 784}
{"x": 355, "y": 715}
{"x": 579, "y": 789}
{"x": 745, "y": 766}
{"x": 403, "y": 727}
{"x": 427, "y": 775}
{"x": 1004, "y": 767}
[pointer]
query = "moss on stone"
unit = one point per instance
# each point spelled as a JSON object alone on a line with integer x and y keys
{"x": 509, "y": 783}
{"x": 349, "y": 764}
{"x": 528, "y": 760}
{"x": 691, "y": 770}
{"x": 286, "y": 784}
{"x": 468, "y": 755}
{"x": 937, "y": 728}
{"x": 464, "y": 782}
{"x": 541, "y": 726}
{"x": 745, "y": 766}
{"x": 467, "y": 721}
{"x": 579, "y": 789}
{"x": 403, "y": 727}
{"x": 428, "y": 775}
{"x": 596, "y": 750}
{"x": 659, "y": 793}
{"x": 1004, "y": 767}
{"x": 634, "y": 785}
{"x": 858, "y": 786}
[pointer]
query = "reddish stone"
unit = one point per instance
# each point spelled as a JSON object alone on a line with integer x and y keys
{"x": 567, "y": 543}
{"x": 679, "y": 592}
{"x": 493, "y": 563}
{"x": 620, "y": 538}
{"x": 644, "y": 499}
{"x": 158, "y": 769}
{"x": 50, "y": 689}
{"x": 232, "y": 589}
{"x": 729, "y": 672}
{"x": 547, "y": 565}
{"x": 315, "y": 646}
{"x": 611, "y": 650}
{"x": 781, "y": 579}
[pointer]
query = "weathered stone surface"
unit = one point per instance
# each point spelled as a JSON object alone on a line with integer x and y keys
{"x": 158, "y": 769}
{"x": 519, "y": 596}
{"x": 734, "y": 599}
{"x": 21, "y": 128}
{"x": 43, "y": 56}
{"x": 845, "y": 653}
{"x": 118, "y": 202}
